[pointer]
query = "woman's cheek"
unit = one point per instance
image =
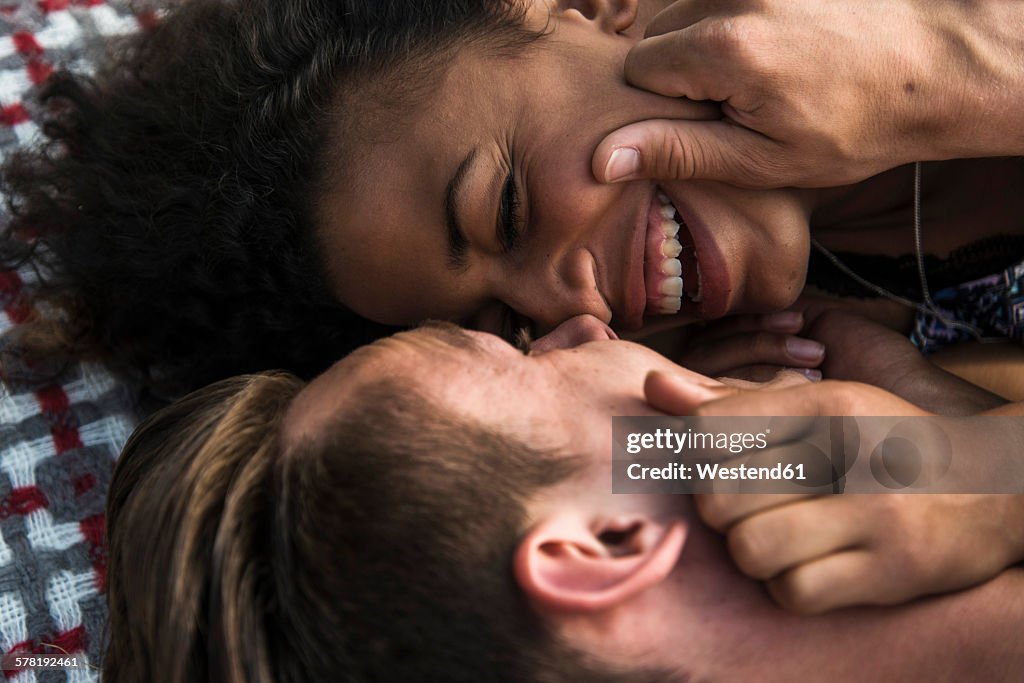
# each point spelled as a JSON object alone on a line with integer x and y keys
{"x": 789, "y": 250}
{"x": 778, "y": 246}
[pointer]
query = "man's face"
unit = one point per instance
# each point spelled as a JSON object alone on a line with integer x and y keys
{"x": 561, "y": 399}
{"x": 705, "y": 617}
{"x": 480, "y": 206}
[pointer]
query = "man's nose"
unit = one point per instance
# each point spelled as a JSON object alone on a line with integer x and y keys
{"x": 572, "y": 333}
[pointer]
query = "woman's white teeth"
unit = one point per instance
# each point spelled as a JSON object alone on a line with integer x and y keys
{"x": 672, "y": 286}
{"x": 697, "y": 298}
{"x": 669, "y": 304}
{"x": 670, "y": 289}
{"x": 671, "y": 248}
{"x": 666, "y": 297}
{"x": 669, "y": 226}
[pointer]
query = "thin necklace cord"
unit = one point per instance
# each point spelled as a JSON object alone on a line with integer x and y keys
{"x": 926, "y": 307}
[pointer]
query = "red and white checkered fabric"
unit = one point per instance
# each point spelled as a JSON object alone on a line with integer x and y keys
{"x": 59, "y": 436}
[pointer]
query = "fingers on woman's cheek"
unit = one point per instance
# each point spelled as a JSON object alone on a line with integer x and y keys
{"x": 676, "y": 16}
{"x": 804, "y": 352}
{"x": 787, "y": 322}
{"x": 753, "y": 348}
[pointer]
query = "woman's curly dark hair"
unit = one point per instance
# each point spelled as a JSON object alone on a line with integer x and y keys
{"x": 170, "y": 212}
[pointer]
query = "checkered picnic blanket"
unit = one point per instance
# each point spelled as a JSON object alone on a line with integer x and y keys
{"x": 59, "y": 436}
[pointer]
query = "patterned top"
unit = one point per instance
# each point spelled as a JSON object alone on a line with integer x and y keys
{"x": 994, "y": 305}
{"x": 980, "y": 285}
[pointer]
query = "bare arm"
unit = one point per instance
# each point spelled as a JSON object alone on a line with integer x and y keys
{"x": 824, "y": 93}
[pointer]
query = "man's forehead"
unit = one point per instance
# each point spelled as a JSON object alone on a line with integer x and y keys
{"x": 449, "y": 334}
{"x": 407, "y": 357}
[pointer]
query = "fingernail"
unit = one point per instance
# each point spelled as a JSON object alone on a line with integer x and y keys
{"x": 805, "y": 349}
{"x": 624, "y": 162}
{"x": 784, "y": 322}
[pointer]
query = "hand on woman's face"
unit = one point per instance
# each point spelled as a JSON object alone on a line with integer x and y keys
{"x": 480, "y": 206}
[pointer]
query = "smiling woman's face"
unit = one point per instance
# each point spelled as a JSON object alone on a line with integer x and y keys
{"x": 479, "y": 206}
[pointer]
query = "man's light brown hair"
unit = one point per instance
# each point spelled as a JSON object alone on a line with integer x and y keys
{"x": 378, "y": 550}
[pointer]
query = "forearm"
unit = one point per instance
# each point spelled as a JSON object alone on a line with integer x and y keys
{"x": 972, "y": 635}
{"x": 944, "y": 393}
{"x": 1016, "y": 408}
{"x": 982, "y": 629}
{"x": 977, "y": 67}
{"x": 861, "y": 350}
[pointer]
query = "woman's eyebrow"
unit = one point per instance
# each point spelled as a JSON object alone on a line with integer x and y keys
{"x": 458, "y": 245}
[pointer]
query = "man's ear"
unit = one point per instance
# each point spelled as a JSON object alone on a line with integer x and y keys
{"x": 611, "y": 16}
{"x": 569, "y": 563}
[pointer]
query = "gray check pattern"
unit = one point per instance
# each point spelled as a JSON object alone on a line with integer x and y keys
{"x": 60, "y": 432}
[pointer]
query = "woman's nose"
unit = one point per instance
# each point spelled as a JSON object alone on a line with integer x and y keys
{"x": 572, "y": 333}
{"x": 554, "y": 291}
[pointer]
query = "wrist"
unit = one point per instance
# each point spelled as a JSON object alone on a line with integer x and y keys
{"x": 1015, "y": 527}
{"x": 950, "y": 394}
{"x": 973, "y": 99}
{"x": 936, "y": 390}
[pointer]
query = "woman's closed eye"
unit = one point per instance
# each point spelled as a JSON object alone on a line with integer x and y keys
{"x": 510, "y": 226}
{"x": 510, "y": 218}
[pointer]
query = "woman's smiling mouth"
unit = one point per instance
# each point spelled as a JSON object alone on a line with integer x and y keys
{"x": 671, "y": 269}
{"x": 671, "y": 272}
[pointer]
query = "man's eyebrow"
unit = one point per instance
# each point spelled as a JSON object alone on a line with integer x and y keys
{"x": 523, "y": 340}
{"x": 458, "y": 245}
{"x": 450, "y": 334}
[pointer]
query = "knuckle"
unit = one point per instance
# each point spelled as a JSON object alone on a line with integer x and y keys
{"x": 714, "y": 510}
{"x": 701, "y": 157}
{"x": 908, "y": 547}
{"x": 796, "y": 592}
{"x": 719, "y": 37}
{"x": 738, "y": 39}
{"x": 751, "y": 546}
{"x": 769, "y": 346}
{"x": 679, "y": 156}
{"x": 770, "y": 165}
{"x": 633, "y": 67}
{"x": 849, "y": 151}
{"x": 665, "y": 61}
{"x": 829, "y": 319}
{"x": 838, "y": 398}
{"x": 653, "y": 67}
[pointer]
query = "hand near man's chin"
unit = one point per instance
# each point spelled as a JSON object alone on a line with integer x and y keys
{"x": 748, "y": 347}
{"x": 817, "y": 341}
{"x": 819, "y": 553}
